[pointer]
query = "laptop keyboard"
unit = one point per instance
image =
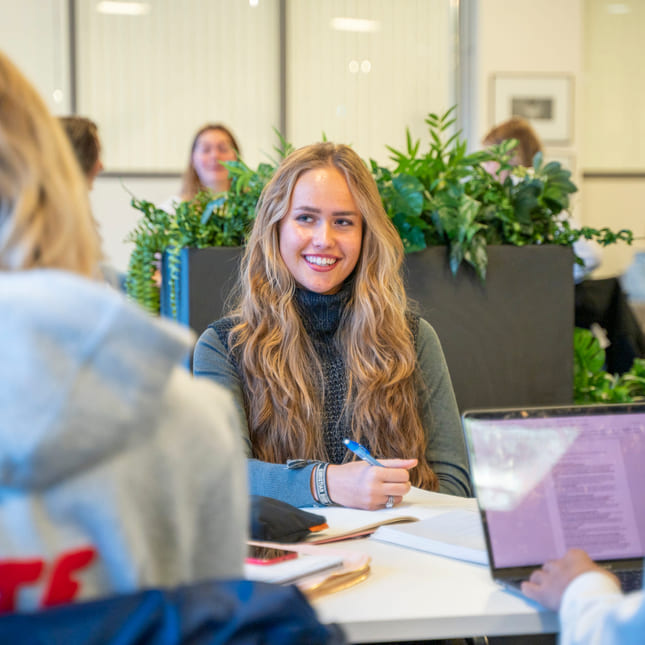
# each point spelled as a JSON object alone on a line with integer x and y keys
{"x": 630, "y": 580}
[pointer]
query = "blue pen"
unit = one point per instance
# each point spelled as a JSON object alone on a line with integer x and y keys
{"x": 361, "y": 452}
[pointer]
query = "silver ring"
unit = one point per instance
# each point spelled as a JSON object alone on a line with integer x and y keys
{"x": 390, "y": 502}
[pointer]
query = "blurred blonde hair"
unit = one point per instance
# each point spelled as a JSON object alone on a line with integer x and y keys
{"x": 45, "y": 218}
{"x": 528, "y": 142}
{"x": 280, "y": 366}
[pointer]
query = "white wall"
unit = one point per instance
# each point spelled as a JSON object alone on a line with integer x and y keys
{"x": 150, "y": 81}
{"x": 557, "y": 36}
{"x": 532, "y": 37}
{"x": 614, "y": 127}
{"x": 617, "y": 203}
{"x": 365, "y": 87}
{"x": 34, "y": 33}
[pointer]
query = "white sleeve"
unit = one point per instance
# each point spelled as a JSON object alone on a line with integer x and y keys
{"x": 595, "y": 612}
{"x": 589, "y": 252}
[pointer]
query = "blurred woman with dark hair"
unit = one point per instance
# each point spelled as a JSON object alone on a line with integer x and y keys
{"x": 83, "y": 134}
{"x": 528, "y": 145}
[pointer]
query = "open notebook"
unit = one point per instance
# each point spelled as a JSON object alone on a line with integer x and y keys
{"x": 347, "y": 523}
{"x": 549, "y": 479}
{"x": 454, "y": 533}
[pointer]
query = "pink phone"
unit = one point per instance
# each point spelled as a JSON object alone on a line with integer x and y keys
{"x": 268, "y": 555}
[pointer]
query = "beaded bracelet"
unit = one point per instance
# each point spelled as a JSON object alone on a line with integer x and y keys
{"x": 320, "y": 482}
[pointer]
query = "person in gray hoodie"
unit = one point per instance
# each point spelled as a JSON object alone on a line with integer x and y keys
{"x": 118, "y": 471}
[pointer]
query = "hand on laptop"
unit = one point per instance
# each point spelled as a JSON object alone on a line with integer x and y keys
{"x": 546, "y": 585}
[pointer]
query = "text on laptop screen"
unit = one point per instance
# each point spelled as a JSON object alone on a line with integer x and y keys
{"x": 549, "y": 484}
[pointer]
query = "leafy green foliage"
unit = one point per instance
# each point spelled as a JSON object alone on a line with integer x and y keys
{"x": 445, "y": 196}
{"x": 150, "y": 238}
{"x": 591, "y": 384}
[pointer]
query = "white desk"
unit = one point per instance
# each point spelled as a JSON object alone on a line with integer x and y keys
{"x": 411, "y": 595}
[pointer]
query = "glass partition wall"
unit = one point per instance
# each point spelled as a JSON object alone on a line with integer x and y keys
{"x": 362, "y": 71}
{"x": 355, "y": 71}
{"x": 151, "y": 79}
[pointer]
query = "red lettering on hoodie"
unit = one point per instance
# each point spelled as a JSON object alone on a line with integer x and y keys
{"x": 62, "y": 587}
{"x": 14, "y": 574}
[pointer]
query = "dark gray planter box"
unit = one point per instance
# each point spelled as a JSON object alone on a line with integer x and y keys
{"x": 207, "y": 277}
{"x": 508, "y": 342}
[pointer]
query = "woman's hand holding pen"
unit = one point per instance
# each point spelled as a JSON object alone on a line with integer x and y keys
{"x": 361, "y": 485}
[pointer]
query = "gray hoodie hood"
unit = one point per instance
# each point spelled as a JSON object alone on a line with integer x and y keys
{"x": 80, "y": 368}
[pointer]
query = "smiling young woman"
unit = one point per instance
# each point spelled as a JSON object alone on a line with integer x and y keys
{"x": 322, "y": 346}
{"x": 321, "y": 235}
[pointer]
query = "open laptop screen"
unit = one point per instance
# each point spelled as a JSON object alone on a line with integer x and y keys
{"x": 554, "y": 478}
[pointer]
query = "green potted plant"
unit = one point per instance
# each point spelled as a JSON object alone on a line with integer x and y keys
{"x": 489, "y": 263}
{"x": 445, "y": 197}
{"x": 199, "y": 244}
{"x": 593, "y": 384}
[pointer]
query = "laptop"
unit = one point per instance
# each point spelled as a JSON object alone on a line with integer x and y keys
{"x": 551, "y": 478}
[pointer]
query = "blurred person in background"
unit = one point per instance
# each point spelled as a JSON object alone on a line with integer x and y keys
{"x": 83, "y": 134}
{"x": 118, "y": 471}
{"x": 528, "y": 145}
{"x": 212, "y": 144}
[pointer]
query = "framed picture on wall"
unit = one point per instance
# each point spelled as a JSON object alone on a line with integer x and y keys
{"x": 544, "y": 100}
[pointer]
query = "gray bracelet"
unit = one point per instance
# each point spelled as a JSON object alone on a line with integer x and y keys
{"x": 320, "y": 482}
{"x": 295, "y": 464}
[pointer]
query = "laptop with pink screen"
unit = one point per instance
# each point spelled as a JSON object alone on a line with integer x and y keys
{"x": 552, "y": 478}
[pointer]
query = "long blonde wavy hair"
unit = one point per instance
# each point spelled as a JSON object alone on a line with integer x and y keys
{"x": 277, "y": 359}
{"x": 45, "y": 218}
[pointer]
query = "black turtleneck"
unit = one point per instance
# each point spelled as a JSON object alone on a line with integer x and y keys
{"x": 321, "y": 313}
{"x": 321, "y": 316}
